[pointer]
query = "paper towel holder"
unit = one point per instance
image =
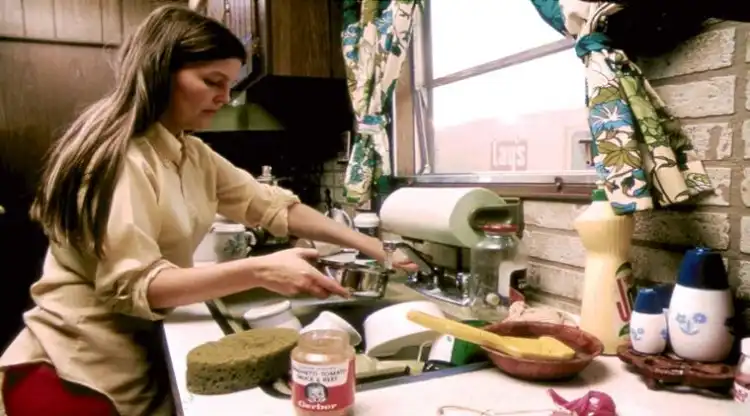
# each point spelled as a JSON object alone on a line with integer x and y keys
{"x": 456, "y": 230}
{"x": 508, "y": 213}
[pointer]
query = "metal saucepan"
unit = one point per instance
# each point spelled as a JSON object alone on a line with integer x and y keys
{"x": 363, "y": 281}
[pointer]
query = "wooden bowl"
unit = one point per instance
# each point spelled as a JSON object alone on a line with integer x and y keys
{"x": 586, "y": 346}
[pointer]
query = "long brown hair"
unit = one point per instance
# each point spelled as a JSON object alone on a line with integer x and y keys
{"x": 74, "y": 198}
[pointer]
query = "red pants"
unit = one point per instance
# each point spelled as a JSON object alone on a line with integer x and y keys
{"x": 35, "y": 389}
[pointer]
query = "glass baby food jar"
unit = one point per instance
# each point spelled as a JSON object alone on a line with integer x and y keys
{"x": 323, "y": 374}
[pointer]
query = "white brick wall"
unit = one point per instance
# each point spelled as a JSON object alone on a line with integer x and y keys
{"x": 557, "y": 215}
{"x": 742, "y": 282}
{"x": 561, "y": 281}
{"x": 668, "y": 227}
{"x": 711, "y": 97}
{"x": 712, "y": 141}
{"x": 745, "y": 234}
{"x": 711, "y": 50}
{"x": 721, "y": 178}
{"x": 745, "y": 187}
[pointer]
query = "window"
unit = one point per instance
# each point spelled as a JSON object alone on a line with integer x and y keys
{"x": 505, "y": 93}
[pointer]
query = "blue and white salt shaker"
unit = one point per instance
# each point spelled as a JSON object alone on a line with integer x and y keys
{"x": 664, "y": 292}
{"x": 701, "y": 311}
{"x": 648, "y": 324}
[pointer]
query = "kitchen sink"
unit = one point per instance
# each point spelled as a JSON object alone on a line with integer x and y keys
{"x": 228, "y": 314}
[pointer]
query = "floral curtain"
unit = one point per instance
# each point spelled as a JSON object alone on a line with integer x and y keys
{"x": 375, "y": 40}
{"x": 642, "y": 155}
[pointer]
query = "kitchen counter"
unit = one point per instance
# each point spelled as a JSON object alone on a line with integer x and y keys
{"x": 193, "y": 325}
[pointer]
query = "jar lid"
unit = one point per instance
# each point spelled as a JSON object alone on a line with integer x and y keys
{"x": 267, "y": 310}
{"x": 366, "y": 219}
{"x": 745, "y": 346}
{"x": 703, "y": 268}
{"x": 648, "y": 301}
{"x": 228, "y": 227}
{"x": 500, "y": 227}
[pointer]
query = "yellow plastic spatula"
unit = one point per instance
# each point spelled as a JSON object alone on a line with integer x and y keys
{"x": 545, "y": 348}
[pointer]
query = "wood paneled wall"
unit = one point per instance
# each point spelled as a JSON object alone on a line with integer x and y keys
{"x": 75, "y": 21}
{"x": 52, "y": 64}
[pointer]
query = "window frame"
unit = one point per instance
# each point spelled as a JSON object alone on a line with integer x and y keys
{"x": 567, "y": 185}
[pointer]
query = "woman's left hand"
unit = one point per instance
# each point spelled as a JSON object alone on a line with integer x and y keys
{"x": 399, "y": 260}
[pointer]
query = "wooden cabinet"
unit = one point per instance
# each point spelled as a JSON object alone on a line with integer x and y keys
{"x": 298, "y": 38}
{"x": 302, "y": 37}
{"x": 88, "y": 22}
{"x": 239, "y": 16}
{"x": 336, "y": 10}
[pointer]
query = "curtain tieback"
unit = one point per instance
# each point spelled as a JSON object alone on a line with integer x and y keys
{"x": 372, "y": 124}
{"x": 592, "y": 42}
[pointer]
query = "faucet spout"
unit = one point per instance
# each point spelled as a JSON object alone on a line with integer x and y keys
{"x": 431, "y": 280}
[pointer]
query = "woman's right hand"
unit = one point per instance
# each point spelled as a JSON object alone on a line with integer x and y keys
{"x": 289, "y": 272}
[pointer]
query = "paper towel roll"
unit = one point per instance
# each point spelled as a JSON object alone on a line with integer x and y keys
{"x": 439, "y": 215}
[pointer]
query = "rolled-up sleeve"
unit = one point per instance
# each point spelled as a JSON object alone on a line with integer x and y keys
{"x": 132, "y": 256}
{"x": 243, "y": 199}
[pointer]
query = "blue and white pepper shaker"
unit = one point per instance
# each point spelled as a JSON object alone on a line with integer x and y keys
{"x": 701, "y": 311}
{"x": 648, "y": 323}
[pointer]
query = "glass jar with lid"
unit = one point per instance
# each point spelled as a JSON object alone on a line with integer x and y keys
{"x": 741, "y": 388}
{"x": 498, "y": 268}
{"x": 323, "y": 374}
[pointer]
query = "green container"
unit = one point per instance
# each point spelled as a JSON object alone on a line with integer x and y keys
{"x": 447, "y": 351}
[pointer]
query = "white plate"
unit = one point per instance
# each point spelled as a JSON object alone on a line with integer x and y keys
{"x": 388, "y": 331}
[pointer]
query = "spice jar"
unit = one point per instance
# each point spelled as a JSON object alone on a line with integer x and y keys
{"x": 366, "y": 223}
{"x": 323, "y": 374}
{"x": 742, "y": 375}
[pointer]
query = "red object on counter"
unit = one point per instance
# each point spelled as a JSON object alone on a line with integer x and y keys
{"x": 593, "y": 403}
{"x": 36, "y": 389}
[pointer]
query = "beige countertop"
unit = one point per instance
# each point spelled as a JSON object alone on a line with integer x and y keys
{"x": 190, "y": 326}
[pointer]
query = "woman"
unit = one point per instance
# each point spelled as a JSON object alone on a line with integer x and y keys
{"x": 125, "y": 198}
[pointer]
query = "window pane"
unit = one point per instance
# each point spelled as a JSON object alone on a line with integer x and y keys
{"x": 466, "y": 33}
{"x": 526, "y": 117}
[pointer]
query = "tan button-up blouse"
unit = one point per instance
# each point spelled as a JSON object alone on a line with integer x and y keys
{"x": 92, "y": 321}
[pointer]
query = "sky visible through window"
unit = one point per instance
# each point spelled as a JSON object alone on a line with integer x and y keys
{"x": 473, "y": 32}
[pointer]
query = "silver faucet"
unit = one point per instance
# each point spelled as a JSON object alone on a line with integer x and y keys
{"x": 429, "y": 277}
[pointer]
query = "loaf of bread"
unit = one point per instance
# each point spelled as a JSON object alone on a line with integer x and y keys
{"x": 240, "y": 361}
